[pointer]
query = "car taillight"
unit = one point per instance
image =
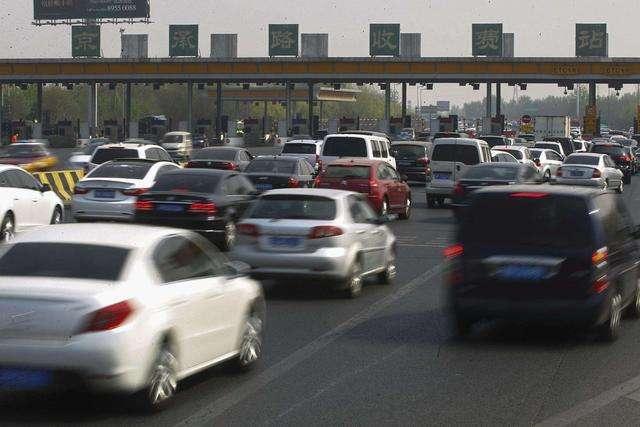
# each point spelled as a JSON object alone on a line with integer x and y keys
{"x": 203, "y": 207}
{"x": 230, "y": 166}
{"x": 110, "y": 317}
{"x": 559, "y": 172}
{"x": 458, "y": 190}
{"x": 248, "y": 230}
{"x": 373, "y": 185}
{"x": 134, "y": 191}
{"x": 625, "y": 158}
{"x": 144, "y": 205}
{"x": 596, "y": 174}
{"x": 453, "y": 251}
{"x": 323, "y": 231}
{"x": 424, "y": 161}
{"x": 599, "y": 257}
{"x": 529, "y": 195}
{"x": 316, "y": 182}
{"x": 80, "y": 190}
{"x": 600, "y": 285}
{"x": 190, "y": 165}
{"x": 293, "y": 183}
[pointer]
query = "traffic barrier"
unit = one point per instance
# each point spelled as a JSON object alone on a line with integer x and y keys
{"x": 61, "y": 182}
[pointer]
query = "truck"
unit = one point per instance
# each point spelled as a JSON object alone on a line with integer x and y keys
{"x": 552, "y": 126}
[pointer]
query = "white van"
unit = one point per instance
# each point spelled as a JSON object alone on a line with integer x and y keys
{"x": 178, "y": 145}
{"x": 368, "y": 145}
{"x": 449, "y": 159}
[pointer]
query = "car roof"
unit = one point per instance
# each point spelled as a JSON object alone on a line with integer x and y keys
{"x": 498, "y": 164}
{"x": 103, "y": 234}
{"x": 562, "y": 190}
{"x": 322, "y": 192}
{"x": 363, "y": 132}
{"x": 127, "y": 145}
{"x": 509, "y": 147}
{"x": 8, "y": 167}
{"x": 416, "y": 143}
{"x": 356, "y": 161}
{"x": 27, "y": 144}
{"x": 464, "y": 141}
{"x": 587, "y": 154}
{"x": 303, "y": 141}
{"x": 178, "y": 132}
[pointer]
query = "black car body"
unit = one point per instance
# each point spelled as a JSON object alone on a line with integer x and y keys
{"x": 271, "y": 172}
{"x": 619, "y": 155}
{"x": 206, "y": 201}
{"x": 567, "y": 144}
{"x": 494, "y": 140}
{"x": 224, "y": 158}
{"x": 575, "y": 261}
{"x": 412, "y": 159}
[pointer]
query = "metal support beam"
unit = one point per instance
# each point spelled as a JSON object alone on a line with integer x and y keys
{"x": 592, "y": 93}
{"x": 127, "y": 110}
{"x": 1, "y": 110}
{"x": 190, "y": 107}
{"x": 310, "y": 105}
{"x": 404, "y": 104}
{"x": 92, "y": 119}
{"x": 39, "y": 102}
{"x": 488, "y": 101}
{"x": 289, "y": 109}
{"x": 387, "y": 104}
{"x": 264, "y": 119}
{"x": 218, "y": 109}
{"x": 498, "y": 99}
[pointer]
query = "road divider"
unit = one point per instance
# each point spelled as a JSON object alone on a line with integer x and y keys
{"x": 61, "y": 182}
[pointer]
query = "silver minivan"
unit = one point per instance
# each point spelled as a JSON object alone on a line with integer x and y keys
{"x": 178, "y": 145}
{"x": 449, "y": 159}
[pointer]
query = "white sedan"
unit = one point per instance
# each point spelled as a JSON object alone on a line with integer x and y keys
{"x": 591, "y": 169}
{"x": 25, "y": 203}
{"x": 124, "y": 308}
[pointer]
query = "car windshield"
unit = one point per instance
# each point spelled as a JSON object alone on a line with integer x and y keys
{"x": 339, "y": 171}
{"x": 577, "y": 145}
{"x": 103, "y": 155}
{"x": 515, "y": 153}
{"x": 121, "y": 170}
{"x": 493, "y": 140}
{"x": 467, "y": 154}
{"x": 299, "y": 149}
{"x": 611, "y": 150}
{"x": 582, "y": 160}
{"x": 294, "y": 207}
{"x": 64, "y": 260}
{"x": 17, "y": 150}
{"x": 490, "y": 172}
{"x": 172, "y": 139}
{"x": 409, "y": 152}
{"x": 343, "y": 146}
{"x": 214, "y": 154}
{"x": 277, "y": 166}
{"x": 187, "y": 183}
{"x": 551, "y": 221}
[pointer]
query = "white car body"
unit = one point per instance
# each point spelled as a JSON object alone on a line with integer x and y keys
{"x": 502, "y": 156}
{"x": 547, "y": 161}
{"x": 372, "y": 145}
{"x": 548, "y": 145}
{"x": 199, "y": 311}
{"x": 590, "y": 169}
{"x": 143, "y": 151}
{"x": 24, "y": 203}
{"x": 521, "y": 153}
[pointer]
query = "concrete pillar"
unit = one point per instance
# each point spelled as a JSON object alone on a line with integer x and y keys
{"x": 218, "y": 109}
{"x": 310, "y": 102}
{"x": 92, "y": 120}
{"x": 321, "y": 113}
{"x": 489, "y": 111}
{"x": 189, "y": 106}
{"x": 1, "y": 110}
{"x": 127, "y": 111}
{"x": 39, "y": 102}
{"x": 592, "y": 93}
{"x": 387, "y": 102}
{"x": 404, "y": 104}
{"x": 289, "y": 109}
{"x": 264, "y": 119}
{"x": 498, "y": 99}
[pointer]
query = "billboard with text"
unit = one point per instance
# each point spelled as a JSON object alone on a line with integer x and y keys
{"x": 90, "y": 9}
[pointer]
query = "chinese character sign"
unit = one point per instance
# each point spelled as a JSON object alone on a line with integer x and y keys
{"x": 183, "y": 40}
{"x": 283, "y": 39}
{"x": 384, "y": 39}
{"x": 591, "y": 40}
{"x": 85, "y": 41}
{"x": 486, "y": 39}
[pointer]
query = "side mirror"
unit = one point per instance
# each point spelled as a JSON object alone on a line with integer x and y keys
{"x": 44, "y": 188}
{"x": 238, "y": 268}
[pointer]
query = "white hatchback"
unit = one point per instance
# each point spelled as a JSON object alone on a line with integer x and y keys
{"x": 122, "y": 309}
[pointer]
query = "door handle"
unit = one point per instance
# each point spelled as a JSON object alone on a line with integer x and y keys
{"x": 375, "y": 232}
{"x": 360, "y": 232}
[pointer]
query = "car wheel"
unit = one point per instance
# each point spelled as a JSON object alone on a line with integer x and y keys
{"x": 250, "y": 351}
{"x": 431, "y": 202}
{"x": 8, "y": 229}
{"x": 547, "y": 176}
{"x": 388, "y": 276}
{"x": 162, "y": 384}
{"x": 610, "y": 329}
{"x": 385, "y": 207}
{"x": 634, "y": 308}
{"x": 354, "y": 281}
{"x": 230, "y": 236}
{"x": 56, "y": 217}
{"x": 406, "y": 213}
{"x": 620, "y": 188}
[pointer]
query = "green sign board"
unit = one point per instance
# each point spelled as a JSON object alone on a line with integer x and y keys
{"x": 85, "y": 41}
{"x": 486, "y": 40}
{"x": 283, "y": 39}
{"x": 384, "y": 39}
{"x": 591, "y": 40}
{"x": 183, "y": 40}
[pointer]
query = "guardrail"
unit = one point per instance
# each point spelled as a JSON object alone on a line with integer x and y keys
{"x": 61, "y": 182}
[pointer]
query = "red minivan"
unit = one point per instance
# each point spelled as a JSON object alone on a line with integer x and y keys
{"x": 387, "y": 191}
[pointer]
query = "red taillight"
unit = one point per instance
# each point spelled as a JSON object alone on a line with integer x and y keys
{"x": 144, "y": 205}
{"x": 625, "y": 158}
{"x": 190, "y": 165}
{"x": 600, "y": 285}
{"x": 529, "y": 195}
{"x": 458, "y": 190}
{"x": 203, "y": 207}
{"x": 293, "y": 183}
{"x": 453, "y": 251}
{"x": 80, "y": 190}
{"x": 559, "y": 172}
{"x": 110, "y": 317}
{"x": 134, "y": 191}
{"x": 373, "y": 185}
{"x": 323, "y": 231}
{"x": 230, "y": 166}
{"x": 248, "y": 230}
{"x": 424, "y": 161}
{"x": 599, "y": 257}
{"x": 316, "y": 182}
{"x": 596, "y": 174}
{"x": 537, "y": 162}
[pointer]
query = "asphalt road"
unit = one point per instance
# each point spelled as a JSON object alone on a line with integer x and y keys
{"x": 389, "y": 358}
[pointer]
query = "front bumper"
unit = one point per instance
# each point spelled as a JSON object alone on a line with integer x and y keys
{"x": 123, "y": 210}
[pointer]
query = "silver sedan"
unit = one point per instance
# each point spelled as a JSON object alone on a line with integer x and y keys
{"x": 590, "y": 169}
{"x": 316, "y": 235}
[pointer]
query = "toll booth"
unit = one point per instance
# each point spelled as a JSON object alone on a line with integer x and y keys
{"x": 447, "y": 124}
{"x": 252, "y": 130}
{"x": 347, "y": 123}
{"x": 153, "y": 128}
{"x": 111, "y": 130}
{"x": 395, "y": 125}
{"x": 204, "y": 127}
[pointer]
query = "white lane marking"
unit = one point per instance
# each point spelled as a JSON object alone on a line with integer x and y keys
{"x": 587, "y": 407}
{"x": 210, "y": 412}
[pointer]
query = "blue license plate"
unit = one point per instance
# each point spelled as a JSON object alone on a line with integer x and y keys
{"x": 264, "y": 187}
{"x": 285, "y": 242}
{"x": 24, "y": 379}
{"x": 442, "y": 175}
{"x": 522, "y": 272}
{"x": 105, "y": 194}
{"x": 576, "y": 173}
{"x": 170, "y": 208}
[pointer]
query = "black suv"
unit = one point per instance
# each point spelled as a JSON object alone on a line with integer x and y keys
{"x": 618, "y": 154}
{"x": 576, "y": 261}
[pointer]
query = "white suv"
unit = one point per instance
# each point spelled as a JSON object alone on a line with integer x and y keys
{"x": 110, "y": 152}
{"x": 361, "y": 144}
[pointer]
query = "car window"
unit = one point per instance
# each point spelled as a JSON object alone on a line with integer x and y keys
{"x": 177, "y": 258}
{"x": 187, "y": 182}
{"x": 392, "y": 172}
{"x": 297, "y": 148}
{"x": 152, "y": 154}
{"x": 103, "y": 155}
{"x": 345, "y": 146}
{"x": 552, "y": 155}
{"x": 4, "y": 180}
{"x": 384, "y": 149}
{"x": 235, "y": 186}
{"x": 360, "y": 211}
{"x": 608, "y": 162}
{"x": 614, "y": 228}
{"x": 272, "y": 165}
{"x": 582, "y": 160}
{"x": 375, "y": 148}
{"x": 164, "y": 155}
{"x": 339, "y": 171}
{"x": 166, "y": 168}
{"x": 121, "y": 170}
{"x": 24, "y": 180}
{"x": 408, "y": 152}
{"x": 305, "y": 168}
{"x": 306, "y": 207}
{"x": 246, "y": 185}
{"x": 382, "y": 173}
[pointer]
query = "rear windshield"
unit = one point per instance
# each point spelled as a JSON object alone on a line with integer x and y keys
{"x": 172, "y": 139}
{"x": 577, "y": 145}
{"x": 103, "y": 155}
{"x": 299, "y": 149}
{"x": 271, "y": 166}
{"x": 187, "y": 182}
{"x": 410, "y": 152}
{"x": 582, "y": 160}
{"x": 67, "y": 260}
{"x": 493, "y": 140}
{"x": 608, "y": 149}
{"x": 342, "y": 146}
{"x": 535, "y": 154}
{"x": 515, "y": 153}
{"x": 492, "y": 172}
{"x": 335, "y": 171}
{"x": 121, "y": 170}
{"x": 553, "y": 147}
{"x": 214, "y": 154}
{"x": 466, "y": 154}
{"x": 294, "y": 207}
{"x": 550, "y": 222}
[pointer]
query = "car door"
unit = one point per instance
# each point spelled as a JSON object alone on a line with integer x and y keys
{"x": 612, "y": 173}
{"x": 630, "y": 252}
{"x": 397, "y": 193}
{"x": 376, "y": 234}
{"x": 23, "y": 201}
{"x": 41, "y": 209}
{"x": 363, "y": 233}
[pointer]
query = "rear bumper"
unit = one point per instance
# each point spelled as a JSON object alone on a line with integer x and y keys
{"x": 590, "y": 182}
{"x": 414, "y": 174}
{"x": 213, "y": 227}
{"x": 439, "y": 191}
{"x": 112, "y": 211}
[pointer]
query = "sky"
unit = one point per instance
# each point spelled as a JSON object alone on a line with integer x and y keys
{"x": 541, "y": 27}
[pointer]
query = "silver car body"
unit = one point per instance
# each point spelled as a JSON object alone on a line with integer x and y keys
{"x": 327, "y": 258}
{"x": 522, "y": 154}
{"x": 577, "y": 172}
{"x": 288, "y": 149}
{"x": 549, "y": 162}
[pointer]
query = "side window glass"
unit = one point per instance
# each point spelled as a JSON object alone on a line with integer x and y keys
{"x": 247, "y": 185}
{"x": 392, "y": 173}
{"x": 27, "y": 181}
{"x": 385, "y": 149}
{"x": 228, "y": 188}
{"x": 609, "y": 217}
{"x": 178, "y": 258}
{"x": 375, "y": 148}
{"x": 356, "y": 213}
{"x": 4, "y": 180}
{"x": 151, "y": 154}
{"x": 380, "y": 173}
{"x": 367, "y": 211}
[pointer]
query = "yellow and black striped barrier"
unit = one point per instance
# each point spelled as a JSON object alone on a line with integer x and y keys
{"x": 61, "y": 182}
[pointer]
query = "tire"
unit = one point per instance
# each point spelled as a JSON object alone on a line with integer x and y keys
{"x": 384, "y": 210}
{"x": 610, "y": 329}
{"x": 7, "y": 229}
{"x": 56, "y": 217}
{"x": 431, "y": 202}
{"x": 634, "y": 307}
{"x": 620, "y": 188}
{"x": 406, "y": 213}
{"x": 162, "y": 383}
{"x": 547, "y": 176}
{"x": 353, "y": 283}
{"x": 230, "y": 236}
{"x": 251, "y": 344}
{"x": 388, "y": 276}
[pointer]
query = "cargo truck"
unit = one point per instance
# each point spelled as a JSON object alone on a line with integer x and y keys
{"x": 552, "y": 126}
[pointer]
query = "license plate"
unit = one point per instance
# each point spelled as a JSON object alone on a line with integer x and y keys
{"x": 105, "y": 194}
{"x": 285, "y": 242}
{"x": 169, "y": 208}
{"x": 522, "y": 272}
{"x": 576, "y": 173}
{"x": 264, "y": 187}
{"x": 24, "y": 379}
{"x": 441, "y": 175}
